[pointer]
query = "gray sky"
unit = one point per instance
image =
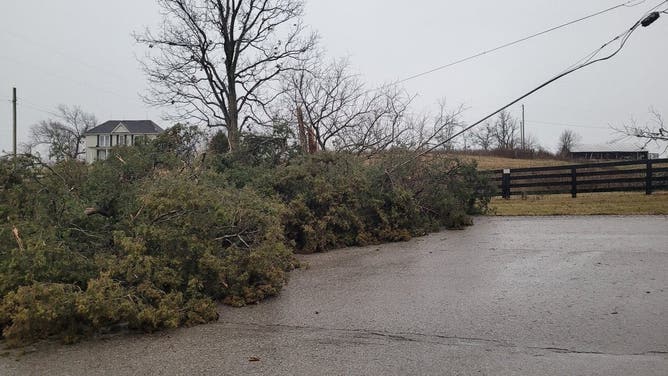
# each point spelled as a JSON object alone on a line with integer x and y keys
{"x": 81, "y": 52}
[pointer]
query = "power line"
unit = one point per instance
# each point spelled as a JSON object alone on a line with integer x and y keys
{"x": 627, "y": 4}
{"x": 23, "y": 103}
{"x": 67, "y": 79}
{"x": 566, "y": 124}
{"x": 589, "y": 60}
{"x": 69, "y": 57}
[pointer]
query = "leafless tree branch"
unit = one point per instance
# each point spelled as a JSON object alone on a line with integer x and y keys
{"x": 653, "y": 131}
{"x": 215, "y": 61}
{"x": 64, "y": 135}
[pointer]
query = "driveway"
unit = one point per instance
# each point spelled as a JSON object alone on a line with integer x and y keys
{"x": 509, "y": 296}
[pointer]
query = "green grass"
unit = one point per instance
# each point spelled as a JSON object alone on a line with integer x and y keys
{"x": 624, "y": 203}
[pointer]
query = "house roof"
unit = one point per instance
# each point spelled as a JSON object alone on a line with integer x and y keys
{"x": 133, "y": 126}
{"x": 598, "y": 148}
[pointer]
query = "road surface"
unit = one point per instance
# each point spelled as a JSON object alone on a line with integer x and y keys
{"x": 509, "y": 296}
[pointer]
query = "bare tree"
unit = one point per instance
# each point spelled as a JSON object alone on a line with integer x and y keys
{"x": 467, "y": 141}
{"x": 217, "y": 62}
{"x": 64, "y": 135}
{"x": 446, "y": 124}
{"x": 505, "y": 131}
{"x": 531, "y": 143}
{"x": 484, "y": 137}
{"x": 379, "y": 129}
{"x": 567, "y": 140}
{"x": 340, "y": 112}
{"x": 431, "y": 129}
{"x": 654, "y": 130}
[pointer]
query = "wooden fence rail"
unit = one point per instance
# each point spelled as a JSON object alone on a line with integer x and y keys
{"x": 648, "y": 175}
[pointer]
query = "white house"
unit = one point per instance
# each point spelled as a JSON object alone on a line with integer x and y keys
{"x": 105, "y": 136}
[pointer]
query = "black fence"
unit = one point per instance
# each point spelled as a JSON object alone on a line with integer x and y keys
{"x": 644, "y": 175}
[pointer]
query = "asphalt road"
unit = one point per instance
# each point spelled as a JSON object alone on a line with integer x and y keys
{"x": 509, "y": 296}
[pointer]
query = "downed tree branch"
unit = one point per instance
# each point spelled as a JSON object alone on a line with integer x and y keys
{"x": 17, "y": 236}
{"x": 93, "y": 211}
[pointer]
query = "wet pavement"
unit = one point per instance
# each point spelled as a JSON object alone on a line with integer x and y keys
{"x": 509, "y": 296}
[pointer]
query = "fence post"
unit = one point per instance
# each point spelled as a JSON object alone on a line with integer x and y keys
{"x": 574, "y": 182}
{"x": 648, "y": 178}
{"x": 505, "y": 184}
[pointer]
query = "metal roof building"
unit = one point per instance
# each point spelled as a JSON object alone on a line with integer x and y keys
{"x": 608, "y": 152}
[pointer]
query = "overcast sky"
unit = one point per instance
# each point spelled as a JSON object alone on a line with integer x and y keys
{"x": 81, "y": 52}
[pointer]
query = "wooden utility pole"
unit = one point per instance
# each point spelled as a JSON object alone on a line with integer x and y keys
{"x": 14, "y": 118}
{"x": 523, "y": 142}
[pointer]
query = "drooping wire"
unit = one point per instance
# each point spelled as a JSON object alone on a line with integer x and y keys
{"x": 565, "y": 124}
{"x": 67, "y": 56}
{"x": 24, "y": 103}
{"x": 589, "y": 60}
{"x": 627, "y": 4}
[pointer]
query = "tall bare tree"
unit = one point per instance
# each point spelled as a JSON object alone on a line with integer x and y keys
{"x": 341, "y": 112}
{"x": 430, "y": 130}
{"x": 567, "y": 140}
{"x": 217, "y": 61}
{"x": 446, "y": 124}
{"x": 483, "y": 137}
{"x": 505, "y": 131}
{"x": 64, "y": 135}
{"x": 379, "y": 129}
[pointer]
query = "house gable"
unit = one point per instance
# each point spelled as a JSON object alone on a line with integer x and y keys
{"x": 121, "y": 128}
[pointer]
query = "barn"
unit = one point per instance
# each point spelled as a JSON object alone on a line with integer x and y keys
{"x": 608, "y": 152}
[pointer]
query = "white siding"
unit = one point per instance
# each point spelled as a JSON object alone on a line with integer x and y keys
{"x": 91, "y": 151}
{"x": 92, "y": 145}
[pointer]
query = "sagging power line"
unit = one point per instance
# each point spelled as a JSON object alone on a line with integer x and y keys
{"x": 69, "y": 57}
{"x": 566, "y": 124}
{"x": 627, "y": 4}
{"x": 647, "y": 19}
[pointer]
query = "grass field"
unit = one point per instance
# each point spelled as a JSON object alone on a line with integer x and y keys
{"x": 624, "y": 203}
{"x": 496, "y": 163}
{"x": 617, "y": 203}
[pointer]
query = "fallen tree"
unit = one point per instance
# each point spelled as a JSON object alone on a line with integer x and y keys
{"x": 146, "y": 241}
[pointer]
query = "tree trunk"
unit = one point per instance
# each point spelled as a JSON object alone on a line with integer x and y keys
{"x": 312, "y": 143}
{"x": 303, "y": 141}
{"x": 233, "y": 135}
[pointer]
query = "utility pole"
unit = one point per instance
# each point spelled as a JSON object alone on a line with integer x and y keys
{"x": 14, "y": 117}
{"x": 523, "y": 142}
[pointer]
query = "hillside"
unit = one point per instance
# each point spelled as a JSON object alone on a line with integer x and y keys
{"x": 494, "y": 163}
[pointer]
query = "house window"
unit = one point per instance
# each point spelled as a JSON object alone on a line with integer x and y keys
{"x": 102, "y": 154}
{"x": 104, "y": 141}
{"x": 139, "y": 140}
